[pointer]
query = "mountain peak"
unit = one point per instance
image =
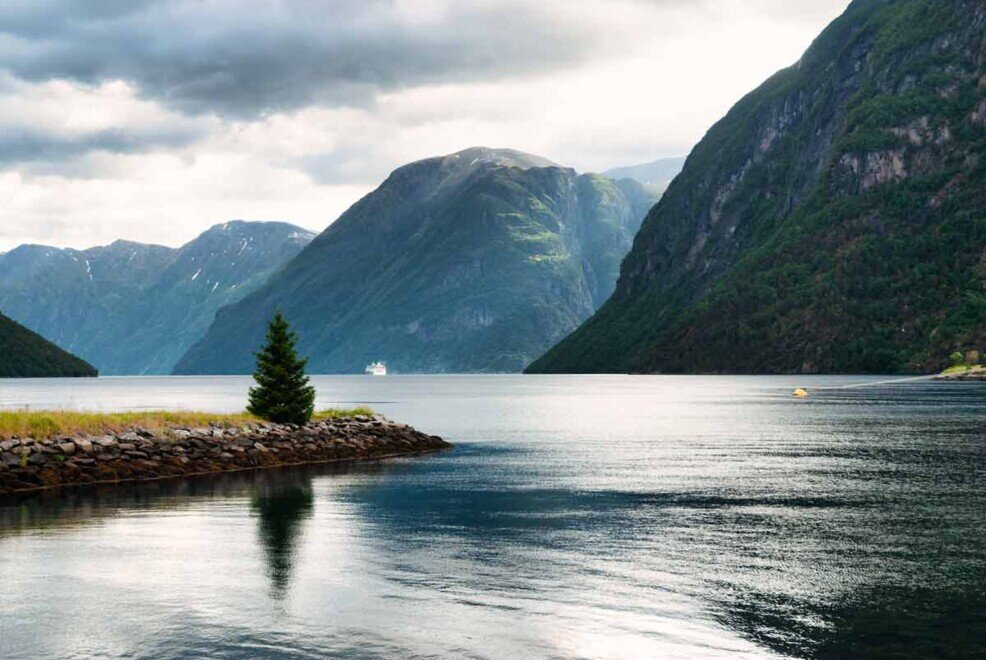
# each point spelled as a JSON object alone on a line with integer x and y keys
{"x": 504, "y": 157}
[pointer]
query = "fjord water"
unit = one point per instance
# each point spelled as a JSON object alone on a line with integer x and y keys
{"x": 595, "y": 516}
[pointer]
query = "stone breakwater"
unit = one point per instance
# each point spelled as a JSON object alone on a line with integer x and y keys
{"x": 140, "y": 454}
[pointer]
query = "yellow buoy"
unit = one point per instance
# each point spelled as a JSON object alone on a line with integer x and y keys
{"x": 800, "y": 393}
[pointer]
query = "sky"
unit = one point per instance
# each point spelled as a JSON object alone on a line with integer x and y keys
{"x": 152, "y": 120}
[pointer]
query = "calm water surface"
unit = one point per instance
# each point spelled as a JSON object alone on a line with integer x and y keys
{"x": 576, "y": 517}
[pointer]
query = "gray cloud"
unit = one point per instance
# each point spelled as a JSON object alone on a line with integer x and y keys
{"x": 244, "y": 58}
{"x": 25, "y": 145}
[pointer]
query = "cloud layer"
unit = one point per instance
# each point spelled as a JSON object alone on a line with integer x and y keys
{"x": 153, "y": 119}
{"x": 246, "y": 58}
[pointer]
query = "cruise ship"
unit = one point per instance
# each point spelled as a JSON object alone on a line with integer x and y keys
{"x": 376, "y": 369}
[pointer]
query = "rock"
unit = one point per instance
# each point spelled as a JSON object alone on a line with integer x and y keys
{"x": 7, "y": 445}
{"x": 106, "y": 458}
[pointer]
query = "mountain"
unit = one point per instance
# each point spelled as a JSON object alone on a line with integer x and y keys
{"x": 131, "y": 308}
{"x": 473, "y": 262}
{"x": 658, "y": 173}
{"x": 25, "y": 354}
{"x": 834, "y": 220}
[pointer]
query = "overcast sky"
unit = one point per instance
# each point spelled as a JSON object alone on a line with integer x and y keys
{"x": 154, "y": 119}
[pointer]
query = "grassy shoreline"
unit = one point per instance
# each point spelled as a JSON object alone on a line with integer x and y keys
{"x": 43, "y": 424}
{"x": 962, "y": 368}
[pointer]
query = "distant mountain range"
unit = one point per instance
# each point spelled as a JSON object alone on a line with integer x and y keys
{"x": 25, "y": 354}
{"x": 131, "y": 308}
{"x": 656, "y": 174}
{"x": 473, "y": 262}
{"x": 834, "y": 220}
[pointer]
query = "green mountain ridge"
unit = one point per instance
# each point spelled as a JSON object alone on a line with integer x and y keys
{"x": 833, "y": 221}
{"x": 473, "y": 262}
{"x": 132, "y": 308}
{"x": 26, "y": 354}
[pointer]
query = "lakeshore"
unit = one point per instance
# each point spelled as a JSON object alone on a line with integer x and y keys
{"x": 963, "y": 373}
{"x": 230, "y": 443}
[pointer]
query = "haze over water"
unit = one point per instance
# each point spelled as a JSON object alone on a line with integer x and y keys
{"x": 596, "y": 516}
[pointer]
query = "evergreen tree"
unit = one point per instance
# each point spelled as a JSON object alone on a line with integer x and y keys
{"x": 283, "y": 393}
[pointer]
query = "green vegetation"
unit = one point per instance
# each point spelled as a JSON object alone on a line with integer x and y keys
{"x": 133, "y": 308}
{"x": 473, "y": 262}
{"x": 41, "y": 424}
{"x": 283, "y": 393}
{"x": 833, "y": 221}
{"x": 960, "y": 368}
{"x": 25, "y": 354}
{"x": 964, "y": 361}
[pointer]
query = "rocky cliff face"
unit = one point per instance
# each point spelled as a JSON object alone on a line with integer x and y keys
{"x": 477, "y": 261}
{"x": 24, "y": 354}
{"x": 131, "y": 308}
{"x": 832, "y": 221}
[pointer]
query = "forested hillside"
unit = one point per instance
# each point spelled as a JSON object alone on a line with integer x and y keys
{"x": 834, "y": 220}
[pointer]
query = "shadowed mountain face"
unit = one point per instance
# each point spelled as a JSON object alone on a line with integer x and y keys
{"x": 131, "y": 308}
{"x": 473, "y": 262}
{"x": 832, "y": 221}
{"x": 24, "y": 354}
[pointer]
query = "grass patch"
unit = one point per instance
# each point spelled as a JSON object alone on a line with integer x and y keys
{"x": 961, "y": 368}
{"x": 41, "y": 424}
{"x": 337, "y": 413}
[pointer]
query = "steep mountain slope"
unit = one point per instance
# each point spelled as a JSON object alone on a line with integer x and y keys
{"x": 25, "y": 354}
{"x": 476, "y": 261}
{"x": 834, "y": 220}
{"x": 657, "y": 174}
{"x": 130, "y": 308}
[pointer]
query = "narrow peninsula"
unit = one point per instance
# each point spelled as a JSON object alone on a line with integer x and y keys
{"x": 40, "y": 450}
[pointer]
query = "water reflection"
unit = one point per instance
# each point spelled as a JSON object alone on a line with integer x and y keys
{"x": 281, "y": 508}
{"x": 595, "y": 517}
{"x": 891, "y": 621}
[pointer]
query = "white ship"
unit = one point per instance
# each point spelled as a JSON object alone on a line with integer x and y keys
{"x": 376, "y": 369}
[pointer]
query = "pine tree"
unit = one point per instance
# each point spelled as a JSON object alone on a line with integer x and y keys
{"x": 283, "y": 393}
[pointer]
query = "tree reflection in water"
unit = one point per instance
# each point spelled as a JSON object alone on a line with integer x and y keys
{"x": 281, "y": 509}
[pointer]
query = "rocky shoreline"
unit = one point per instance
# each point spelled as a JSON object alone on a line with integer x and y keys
{"x": 139, "y": 454}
